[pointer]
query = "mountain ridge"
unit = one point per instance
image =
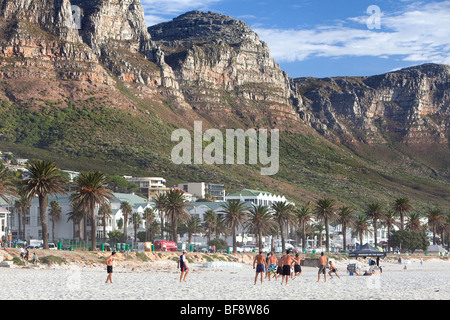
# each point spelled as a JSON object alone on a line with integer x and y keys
{"x": 112, "y": 92}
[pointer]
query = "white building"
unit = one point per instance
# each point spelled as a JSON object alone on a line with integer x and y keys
{"x": 150, "y": 187}
{"x": 65, "y": 229}
{"x": 200, "y": 190}
{"x": 3, "y": 223}
{"x": 256, "y": 197}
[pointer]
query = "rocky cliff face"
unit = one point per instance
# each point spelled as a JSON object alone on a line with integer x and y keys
{"x": 410, "y": 105}
{"x": 211, "y": 65}
{"x": 223, "y": 67}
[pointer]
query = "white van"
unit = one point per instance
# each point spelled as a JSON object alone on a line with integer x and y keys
{"x": 52, "y": 246}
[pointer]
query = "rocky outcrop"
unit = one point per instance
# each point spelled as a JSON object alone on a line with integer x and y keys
{"x": 223, "y": 67}
{"x": 410, "y": 105}
{"x": 215, "y": 66}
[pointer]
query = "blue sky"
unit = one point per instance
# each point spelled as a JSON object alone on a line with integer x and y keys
{"x": 324, "y": 38}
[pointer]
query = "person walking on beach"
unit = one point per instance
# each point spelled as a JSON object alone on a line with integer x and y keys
{"x": 109, "y": 267}
{"x": 272, "y": 266}
{"x": 279, "y": 269}
{"x": 35, "y": 259}
{"x": 182, "y": 264}
{"x": 261, "y": 264}
{"x": 287, "y": 263}
{"x": 322, "y": 267}
{"x": 297, "y": 268}
{"x": 333, "y": 269}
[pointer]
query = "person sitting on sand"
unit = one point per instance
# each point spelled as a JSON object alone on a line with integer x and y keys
{"x": 260, "y": 262}
{"x": 332, "y": 269}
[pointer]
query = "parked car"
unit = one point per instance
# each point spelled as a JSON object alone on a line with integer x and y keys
{"x": 52, "y": 246}
{"x": 248, "y": 248}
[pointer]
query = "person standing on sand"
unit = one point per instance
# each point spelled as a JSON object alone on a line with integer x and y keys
{"x": 287, "y": 263}
{"x": 182, "y": 264}
{"x": 261, "y": 264}
{"x": 322, "y": 267}
{"x": 272, "y": 266}
{"x": 109, "y": 267}
{"x": 279, "y": 268}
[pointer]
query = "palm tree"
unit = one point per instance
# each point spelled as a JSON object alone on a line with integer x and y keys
{"x": 434, "y": 217}
{"x": 44, "y": 180}
{"x": 374, "y": 213}
{"x": 55, "y": 214}
{"x": 389, "y": 221}
{"x": 105, "y": 212}
{"x": 235, "y": 212}
{"x": 260, "y": 221}
{"x": 303, "y": 215}
{"x": 76, "y": 215}
{"x": 176, "y": 209}
{"x": 414, "y": 223}
{"x": 283, "y": 215}
{"x": 361, "y": 227}
{"x": 7, "y": 187}
{"x": 325, "y": 212}
{"x": 19, "y": 209}
{"x": 136, "y": 220}
{"x": 319, "y": 227}
{"x": 402, "y": 206}
{"x": 346, "y": 218}
{"x": 210, "y": 222}
{"x": 160, "y": 205}
{"x": 149, "y": 217}
{"x": 194, "y": 225}
{"x": 126, "y": 208}
{"x": 92, "y": 192}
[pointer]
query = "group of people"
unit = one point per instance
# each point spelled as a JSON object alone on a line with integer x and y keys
{"x": 287, "y": 267}
{"x": 24, "y": 255}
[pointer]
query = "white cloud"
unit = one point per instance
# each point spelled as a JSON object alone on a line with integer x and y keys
{"x": 419, "y": 33}
{"x": 157, "y": 11}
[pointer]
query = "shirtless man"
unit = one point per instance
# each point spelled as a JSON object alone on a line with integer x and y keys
{"x": 297, "y": 268}
{"x": 333, "y": 269}
{"x": 287, "y": 262}
{"x": 272, "y": 266}
{"x": 109, "y": 267}
{"x": 260, "y": 262}
{"x": 322, "y": 267}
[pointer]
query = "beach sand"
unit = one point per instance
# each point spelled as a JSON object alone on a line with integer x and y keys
{"x": 160, "y": 281}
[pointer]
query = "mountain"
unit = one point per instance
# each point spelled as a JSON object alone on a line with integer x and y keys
{"x": 87, "y": 84}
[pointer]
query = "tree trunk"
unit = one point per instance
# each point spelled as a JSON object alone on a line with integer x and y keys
{"x": 93, "y": 229}
{"x": 234, "y": 241}
{"x": 43, "y": 215}
{"x": 344, "y": 233}
{"x": 327, "y": 236}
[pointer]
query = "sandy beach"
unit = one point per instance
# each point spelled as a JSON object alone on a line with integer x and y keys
{"x": 159, "y": 280}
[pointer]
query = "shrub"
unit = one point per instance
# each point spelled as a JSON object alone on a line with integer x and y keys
{"x": 50, "y": 260}
{"x": 409, "y": 240}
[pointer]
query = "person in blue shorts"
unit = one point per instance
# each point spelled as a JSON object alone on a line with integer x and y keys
{"x": 261, "y": 264}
